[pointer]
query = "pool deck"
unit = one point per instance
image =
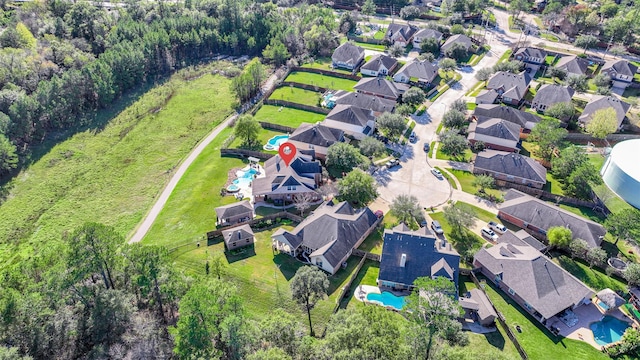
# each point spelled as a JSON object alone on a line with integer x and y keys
{"x": 587, "y": 314}
{"x": 247, "y": 191}
{"x": 363, "y": 290}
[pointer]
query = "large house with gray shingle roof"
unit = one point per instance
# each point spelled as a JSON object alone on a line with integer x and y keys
{"x": 535, "y": 282}
{"x": 347, "y": 56}
{"x": 573, "y": 65}
{"x": 353, "y": 120}
{"x": 510, "y": 167}
{"x": 532, "y": 57}
{"x": 537, "y": 216}
{"x": 381, "y": 88}
{"x": 551, "y": 94}
{"x": 379, "y": 65}
{"x": 524, "y": 119}
{"x": 621, "y": 72}
{"x": 424, "y": 34}
{"x": 400, "y": 33}
{"x": 408, "y": 255}
{"x": 316, "y": 137}
{"x": 418, "y": 72}
{"x": 496, "y": 134}
{"x": 282, "y": 182}
{"x": 377, "y": 104}
{"x": 327, "y": 237}
{"x": 604, "y": 102}
{"x": 511, "y": 88}
{"x": 463, "y": 40}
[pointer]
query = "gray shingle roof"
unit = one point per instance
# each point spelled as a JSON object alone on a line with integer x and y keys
{"x": 364, "y": 101}
{"x": 610, "y": 298}
{"x": 235, "y": 209}
{"x": 544, "y": 215}
{"x": 351, "y": 115}
{"x": 604, "y": 102}
{"x": 511, "y": 164}
{"x": 521, "y": 237}
{"x": 507, "y": 113}
{"x": 406, "y": 31}
{"x": 480, "y": 303}
{"x": 623, "y": 67}
{"x": 303, "y": 170}
{"x": 531, "y": 52}
{"x": 380, "y": 87}
{"x": 422, "y": 70}
{"x": 573, "y": 65}
{"x": 428, "y": 33}
{"x": 487, "y": 96}
{"x": 237, "y": 233}
{"x": 459, "y": 38}
{"x": 379, "y": 60}
{"x": 316, "y": 134}
{"x": 513, "y": 86}
{"x": 497, "y": 128}
{"x": 550, "y": 94}
{"x": 348, "y": 53}
{"x": 536, "y": 279}
{"x": 425, "y": 256}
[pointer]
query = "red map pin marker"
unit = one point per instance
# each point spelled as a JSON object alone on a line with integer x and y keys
{"x": 287, "y": 152}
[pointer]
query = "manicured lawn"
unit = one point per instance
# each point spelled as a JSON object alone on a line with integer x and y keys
{"x": 287, "y": 116}
{"x": 367, "y": 276}
{"x": 466, "y": 157}
{"x": 330, "y": 82}
{"x": 379, "y": 35}
{"x": 471, "y": 106}
{"x": 549, "y": 37}
{"x": 613, "y": 202}
{"x": 584, "y": 212}
{"x": 112, "y": 172}
{"x": 536, "y": 340}
{"x": 324, "y": 63}
{"x": 263, "y": 136}
{"x": 466, "y": 181}
{"x": 467, "y": 242}
{"x": 368, "y": 46}
{"x": 296, "y": 95}
{"x": 505, "y": 56}
{"x": 481, "y": 214}
{"x": 594, "y": 278}
{"x": 553, "y": 185}
{"x": 448, "y": 177}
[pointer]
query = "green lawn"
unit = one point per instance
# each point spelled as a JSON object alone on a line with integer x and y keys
{"x": 584, "y": 212}
{"x": 367, "y": 276}
{"x": 466, "y": 157}
{"x": 553, "y": 185}
{"x": 468, "y": 240}
{"x": 287, "y": 116}
{"x": 594, "y": 278}
{"x": 505, "y": 56}
{"x": 536, "y": 340}
{"x": 448, "y": 177}
{"x": 263, "y": 136}
{"x": 466, "y": 181}
{"x": 111, "y": 174}
{"x": 296, "y": 95}
{"x": 324, "y": 63}
{"x": 330, "y": 82}
{"x": 549, "y": 36}
{"x": 481, "y": 214}
{"x": 379, "y": 35}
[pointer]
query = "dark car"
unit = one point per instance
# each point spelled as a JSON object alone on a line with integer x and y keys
{"x": 426, "y": 147}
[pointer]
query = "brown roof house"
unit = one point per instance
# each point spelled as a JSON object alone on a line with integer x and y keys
{"x": 379, "y": 65}
{"x": 497, "y": 134}
{"x": 234, "y": 213}
{"x": 522, "y": 118}
{"x": 510, "y": 167}
{"x": 573, "y": 65}
{"x": 352, "y": 120}
{"x": 347, "y": 56}
{"x": 400, "y": 33}
{"x": 537, "y": 284}
{"x": 603, "y": 102}
{"x": 621, "y": 72}
{"x": 421, "y": 73}
{"x": 424, "y": 34}
{"x": 327, "y": 237}
{"x": 316, "y": 137}
{"x": 238, "y": 237}
{"x": 282, "y": 183}
{"x": 551, "y": 94}
{"x": 537, "y": 216}
{"x": 381, "y": 88}
{"x": 511, "y": 88}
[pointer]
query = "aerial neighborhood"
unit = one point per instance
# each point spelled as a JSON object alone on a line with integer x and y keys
{"x": 348, "y": 179}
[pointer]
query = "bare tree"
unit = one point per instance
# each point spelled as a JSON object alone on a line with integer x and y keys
{"x": 328, "y": 190}
{"x": 302, "y": 202}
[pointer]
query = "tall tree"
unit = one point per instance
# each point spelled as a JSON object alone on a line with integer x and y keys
{"x": 483, "y": 182}
{"x": 413, "y": 96}
{"x": 602, "y": 124}
{"x": 579, "y": 183}
{"x": 248, "y": 129}
{"x": 578, "y": 247}
{"x": 559, "y": 236}
{"x": 308, "y": 286}
{"x": 358, "y": 188}
{"x": 562, "y": 111}
{"x": 406, "y": 208}
{"x": 596, "y": 256}
{"x": 586, "y": 42}
{"x": 302, "y": 202}
{"x": 623, "y": 224}
{"x": 8, "y": 156}
{"x": 281, "y": 329}
{"x": 368, "y": 8}
{"x": 548, "y": 135}
{"x": 459, "y": 218}
{"x": 453, "y": 119}
{"x": 632, "y": 274}
{"x": 571, "y": 158}
{"x": 370, "y": 146}
{"x": 453, "y": 143}
{"x": 392, "y": 125}
{"x": 344, "y": 157}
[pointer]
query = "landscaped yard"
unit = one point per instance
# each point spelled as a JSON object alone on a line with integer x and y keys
{"x": 287, "y": 116}
{"x": 468, "y": 243}
{"x": 466, "y": 157}
{"x": 263, "y": 136}
{"x": 594, "y": 278}
{"x": 553, "y": 185}
{"x": 466, "y": 181}
{"x": 296, "y": 95}
{"x": 536, "y": 340}
{"x": 324, "y": 63}
{"x": 330, "y": 82}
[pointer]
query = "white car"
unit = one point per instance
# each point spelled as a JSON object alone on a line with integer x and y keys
{"x": 489, "y": 234}
{"x": 437, "y": 173}
{"x": 499, "y": 228}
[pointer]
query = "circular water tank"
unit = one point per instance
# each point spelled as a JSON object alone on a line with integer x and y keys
{"x": 621, "y": 171}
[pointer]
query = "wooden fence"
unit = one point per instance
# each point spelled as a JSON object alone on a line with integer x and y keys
{"x": 298, "y": 106}
{"x": 366, "y": 254}
{"x": 327, "y": 73}
{"x": 282, "y": 214}
{"x": 545, "y": 195}
{"x": 347, "y": 286}
{"x": 276, "y": 127}
{"x": 246, "y": 153}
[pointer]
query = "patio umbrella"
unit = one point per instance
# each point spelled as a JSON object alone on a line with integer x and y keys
{"x": 610, "y": 298}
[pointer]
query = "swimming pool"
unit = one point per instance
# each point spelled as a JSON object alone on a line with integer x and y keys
{"x": 608, "y": 330}
{"x": 245, "y": 177}
{"x": 274, "y": 143}
{"x": 387, "y": 299}
{"x": 602, "y": 305}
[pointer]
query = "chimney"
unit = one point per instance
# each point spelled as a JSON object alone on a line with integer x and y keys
{"x": 444, "y": 243}
{"x": 403, "y": 260}
{"x": 239, "y": 235}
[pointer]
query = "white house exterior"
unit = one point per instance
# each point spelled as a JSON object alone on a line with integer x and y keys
{"x": 621, "y": 72}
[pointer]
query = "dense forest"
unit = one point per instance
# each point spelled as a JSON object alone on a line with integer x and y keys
{"x": 61, "y": 61}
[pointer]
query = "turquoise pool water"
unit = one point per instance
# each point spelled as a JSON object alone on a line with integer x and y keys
{"x": 608, "y": 330}
{"x": 604, "y": 306}
{"x": 275, "y": 142}
{"x": 387, "y": 299}
{"x": 244, "y": 177}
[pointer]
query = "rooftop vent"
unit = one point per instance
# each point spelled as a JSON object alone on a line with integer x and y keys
{"x": 403, "y": 260}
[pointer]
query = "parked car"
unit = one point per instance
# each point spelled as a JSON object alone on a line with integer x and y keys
{"x": 435, "y": 226}
{"x": 498, "y": 228}
{"x": 392, "y": 163}
{"x": 437, "y": 173}
{"x": 412, "y": 137}
{"x": 426, "y": 147}
{"x": 489, "y": 234}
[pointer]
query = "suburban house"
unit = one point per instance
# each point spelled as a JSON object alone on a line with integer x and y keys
{"x": 495, "y": 133}
{"x": 536, "y": 216}
{"x": 281, "y": 183}
{"x": 424, "y": 34}
{"x": 377, "y": 104}
{"x": 381, "y": 88}
{"x": 417, "y": 72}
{"x": 603, "y": 102}
{"x": 621, "y": 72}
{"x": 573, "y": 65}
{"x": 521, "y": 237}
{"x": 487, "y": 97}
{"x": 510, "y": 167}
{"x": 379, "y": 65}
{"x": 512, "y": 88}
{"x": 532, "y": 57}
{"x": 534, "y": 281}
{"x": 408, "y": 255}
{"x": 459, "y": 39}
{"x": 477, "y": 306}
{"x": 400, "y": 33}
{"x": 524, "y": 119}
{"x": 238, "y": 237}
{"x": 316, "y": 137}
{"x": 327, "y": 237}
{"x": 234, "y": 213}
{"x": 352, "y": 120}
{"x": 551, "y": 94}
{"x": 347, "y": 56}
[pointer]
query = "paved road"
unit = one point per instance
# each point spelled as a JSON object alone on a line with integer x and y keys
{"x": 150, "y": 218}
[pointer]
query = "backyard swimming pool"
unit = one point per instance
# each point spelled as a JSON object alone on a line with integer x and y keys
{"x": 274, "y": 143}
{"x": 608, "y": 330}
{"x": 387, "y": 299}
{"x": 245, "y": 177}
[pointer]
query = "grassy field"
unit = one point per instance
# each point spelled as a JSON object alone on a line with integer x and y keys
{"x": 466, "y": 181}
{"x": 111, "y": 174}
{"x": 287, "y": 116}
{"x": 296, "y": 95}
{"x": 553, "y": 185}
{"x": 329, "y": 82}
{"x": 536, "y": 340}
{"x": 324, "y": 63}
{"x": 263, "y": 136}
{"x": 469, "y": 240}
